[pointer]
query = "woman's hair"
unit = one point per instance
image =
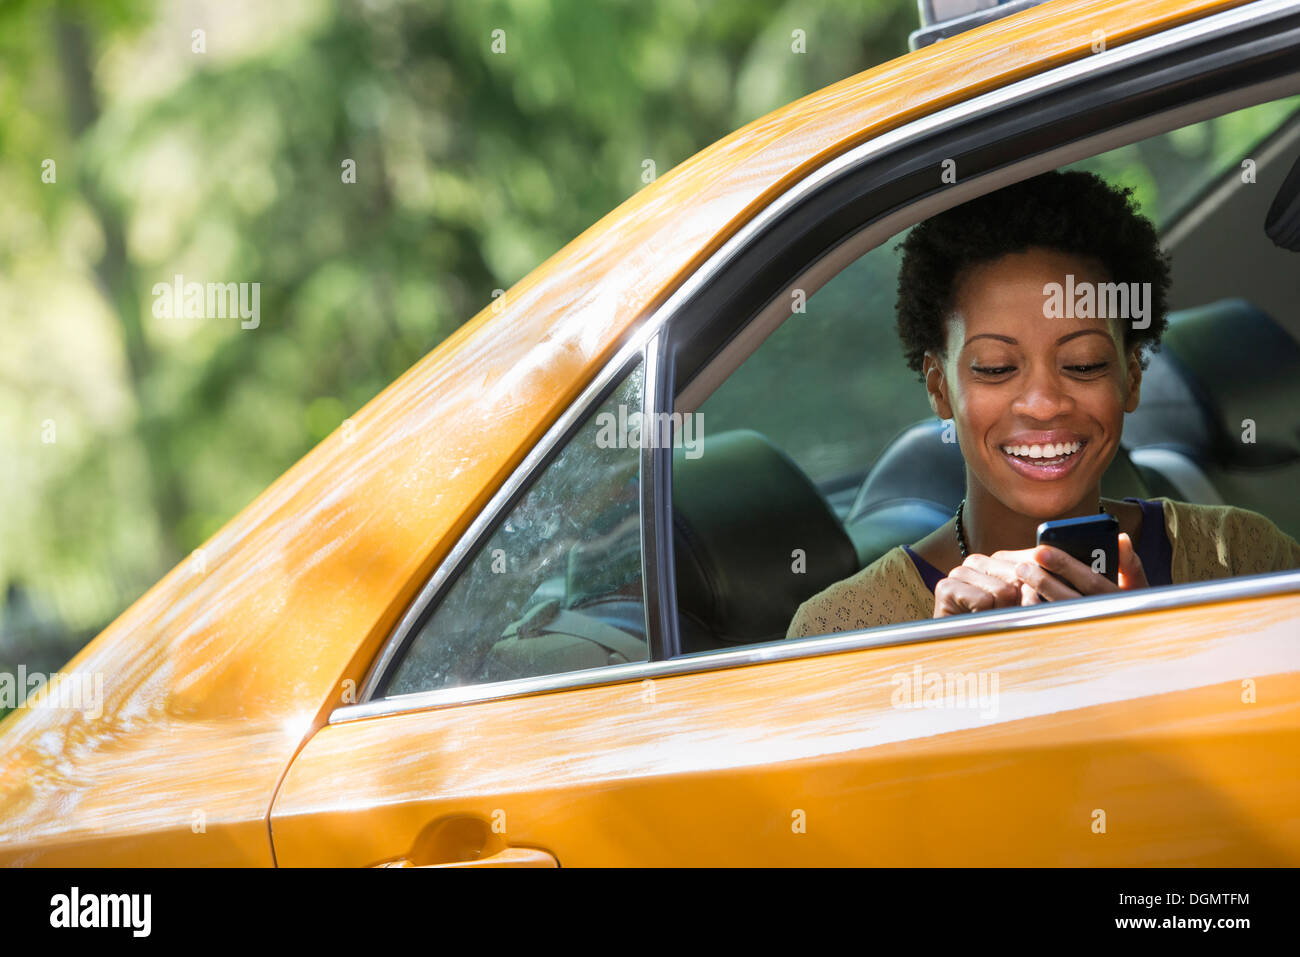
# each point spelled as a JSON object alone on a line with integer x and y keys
{"x": 1074, "y": 212}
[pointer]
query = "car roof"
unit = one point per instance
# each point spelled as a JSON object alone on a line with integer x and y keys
{"x": 256, "y": 634}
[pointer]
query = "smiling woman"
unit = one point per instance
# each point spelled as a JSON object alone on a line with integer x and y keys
{"x": 1028, "y": 314}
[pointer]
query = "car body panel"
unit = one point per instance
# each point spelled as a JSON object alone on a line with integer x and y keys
{"x": 1145, "y": 717}
{"x": 217, "y": 676}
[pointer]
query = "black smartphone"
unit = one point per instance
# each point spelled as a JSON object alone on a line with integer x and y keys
{"x": 1092, "y": 540}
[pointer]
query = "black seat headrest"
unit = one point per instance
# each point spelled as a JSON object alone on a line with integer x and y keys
{"x": 916, "y": 466}
{"x": 742, "y": 510}
{"x": 1220, "y": 365}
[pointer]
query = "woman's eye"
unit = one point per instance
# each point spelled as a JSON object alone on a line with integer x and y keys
{"x": 1093, "y": 367}
{"x": 992, "y": 370}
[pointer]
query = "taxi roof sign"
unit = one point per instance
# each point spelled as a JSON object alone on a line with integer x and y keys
{"x": 941, "y": 19}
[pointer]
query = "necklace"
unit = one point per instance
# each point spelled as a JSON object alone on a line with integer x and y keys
{"x": 961, "y": 535}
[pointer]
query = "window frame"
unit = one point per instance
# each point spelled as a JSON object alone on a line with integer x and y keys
{"x": 498, "y": 509}
{"x": 887, "y": 183}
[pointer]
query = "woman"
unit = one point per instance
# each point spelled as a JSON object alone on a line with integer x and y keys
{"x": 1003, "y": 314}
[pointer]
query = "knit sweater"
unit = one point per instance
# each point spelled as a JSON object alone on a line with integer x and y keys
{"x": 1208, "y": 541}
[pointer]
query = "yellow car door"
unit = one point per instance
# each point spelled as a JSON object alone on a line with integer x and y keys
{"x": 1155, "y": 728}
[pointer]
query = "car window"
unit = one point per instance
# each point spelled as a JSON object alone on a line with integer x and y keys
{"x": 833, "y": 458}
{"x": 558, "y": 586}
{"x": 1169, "y": 172}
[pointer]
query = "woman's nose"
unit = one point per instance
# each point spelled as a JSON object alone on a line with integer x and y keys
{"x": 1043, "y": 397}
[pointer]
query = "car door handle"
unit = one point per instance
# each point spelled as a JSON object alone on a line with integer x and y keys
{"x": 509, "y": 857}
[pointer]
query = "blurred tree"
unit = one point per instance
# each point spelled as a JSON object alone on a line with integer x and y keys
{"x": 216, "y": 142}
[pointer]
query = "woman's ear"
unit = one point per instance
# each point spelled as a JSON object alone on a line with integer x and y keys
{"x": 1134, "y": 379}
{"x": 936, "y": 385}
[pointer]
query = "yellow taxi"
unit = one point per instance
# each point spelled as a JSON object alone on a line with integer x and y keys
{"x": 528, "y": 606}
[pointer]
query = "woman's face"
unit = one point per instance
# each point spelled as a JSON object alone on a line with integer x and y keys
{"x": 1012, "y": 379}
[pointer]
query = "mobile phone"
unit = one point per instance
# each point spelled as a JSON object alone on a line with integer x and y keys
{"x": 1092, "y": 540}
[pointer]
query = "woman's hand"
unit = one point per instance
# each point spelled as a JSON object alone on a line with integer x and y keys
{"x": 981, "y": 582}
{"x": 1011, "y": 578}
{"x": 1079, "y": 580}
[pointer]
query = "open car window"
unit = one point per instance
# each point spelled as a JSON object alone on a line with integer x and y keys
{"x": 837, "y": 458}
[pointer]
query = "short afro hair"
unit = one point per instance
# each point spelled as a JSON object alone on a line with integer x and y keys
{"x": 1072, "y": 212}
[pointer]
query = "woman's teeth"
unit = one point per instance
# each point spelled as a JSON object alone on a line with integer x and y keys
{"x": 1058, "y": 451}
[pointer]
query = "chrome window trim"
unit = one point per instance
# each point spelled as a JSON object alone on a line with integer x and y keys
{"x": 1248, "y": 15}
{"x": 1092, "y": 608}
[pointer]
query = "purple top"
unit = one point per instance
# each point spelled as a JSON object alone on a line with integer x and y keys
{"x": 1154, "y": 550}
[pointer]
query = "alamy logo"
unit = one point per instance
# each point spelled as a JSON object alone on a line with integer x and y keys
{"x": 70, "y": 690}
{"x": 214, "y": 300}
{"x": 946, "y": 689}
{"x": 1130, "y": 301}
{"x": 629, "y": 430}
{"x": 102, "y": 910}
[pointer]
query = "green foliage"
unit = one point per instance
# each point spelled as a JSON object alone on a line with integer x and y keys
{"x": 226, "y": 165}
